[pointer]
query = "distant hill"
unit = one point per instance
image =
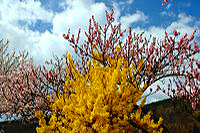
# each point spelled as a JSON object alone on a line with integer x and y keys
{"x": 178, "y": 115}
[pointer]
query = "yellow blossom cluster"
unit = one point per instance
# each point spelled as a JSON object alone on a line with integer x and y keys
{"x": 100, "y": 101}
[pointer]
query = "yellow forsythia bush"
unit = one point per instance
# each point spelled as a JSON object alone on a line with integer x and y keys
{"x": 100, "y": 101}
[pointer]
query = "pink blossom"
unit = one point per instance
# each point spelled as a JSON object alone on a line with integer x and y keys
{"x": 166, "y": 34}
{"x": 151, "y": 57}
{"x": 176, "y": 33}
{"x": 66, "y": 36}
{"x": 184, "y": 51}
{"x": 151, "y": 50}
{"x": 72, "y": 39}
{"x": 198, "y": 77}
{"x": 181, "y": 42}
{"x": 181, "y": 60}
{"x": 191, "y": 62}
{"x": 194, "y": 71}
{"x": 141, "y": 40}
{"x": 196, "y": 49}
{"x": 170, "y": 57}
{"x": 147, "y": 51}
{"x": 194, "y": 104}
{"x": 192, "y": 37}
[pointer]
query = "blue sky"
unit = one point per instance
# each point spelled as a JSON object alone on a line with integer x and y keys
{"x": 38, "y": 25}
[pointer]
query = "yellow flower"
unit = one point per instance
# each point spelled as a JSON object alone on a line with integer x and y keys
{"x": 140, "y": 66}
{"x": 101, "y": 100}
{"x": 145, "y": 86}
{"x": 160, "y": 120}
{"x": 143, "y": 102}
{"x": 118, "y": 49}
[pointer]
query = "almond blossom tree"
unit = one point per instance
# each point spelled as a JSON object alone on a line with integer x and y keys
{"x": 18, "y": 89}
{"x": 25, "y": 87}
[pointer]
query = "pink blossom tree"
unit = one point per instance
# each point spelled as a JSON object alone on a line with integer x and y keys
{"x": 25, "y": 87}
{"x": 169, "y": 58}
{"x": 19, "y": 89}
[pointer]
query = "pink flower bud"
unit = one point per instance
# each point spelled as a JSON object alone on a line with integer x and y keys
{"x": 192, "y": 37}
{"x": 170, "y": 57}
{"x": 66, "y": 36}
{"x": 121, "y": 34}
{"x": 166, "y": 34}
{"x": 193, "y": 104}
{"x": 181, "y": 60}
{"x": 72, "y": 39}
{"x": 196, "y": 49}
{"x": 198, "y": 77}
{"x": 191, "y": 62}
{"x": 151, "y": 58}
{"x": 141, "y": 40}
{"x": 176, "y": 33}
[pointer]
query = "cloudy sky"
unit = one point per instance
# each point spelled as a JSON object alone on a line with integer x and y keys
{"x": 38, "y": 25}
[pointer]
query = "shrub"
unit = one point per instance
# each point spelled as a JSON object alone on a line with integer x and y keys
{"x": 102, "y": 100}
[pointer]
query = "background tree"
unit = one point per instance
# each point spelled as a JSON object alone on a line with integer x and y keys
{"x": 24, "y": 87}
{"x": 8, "y": 60}
{"x": 17, "y": 79}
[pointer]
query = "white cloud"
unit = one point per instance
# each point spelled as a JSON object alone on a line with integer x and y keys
{"x": 78, "y": 17}
{"x": 48, "y": 45}
{"x": 157, "y": 32}
{"x": 155, "y": 96}
{"x": 133, "y": 18}
{"x": 41, "y": 45}
{"x": 117, "y": 11}
{"x": 80, "y": 3}
{"x": 20, "y": 37}
{"x": 13, "y": 10}
{"x": 184, "y": 18}
{"x": 181, "y": 25}
{"x": 130, "y": 1}
{"x": 122, "y": 3}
